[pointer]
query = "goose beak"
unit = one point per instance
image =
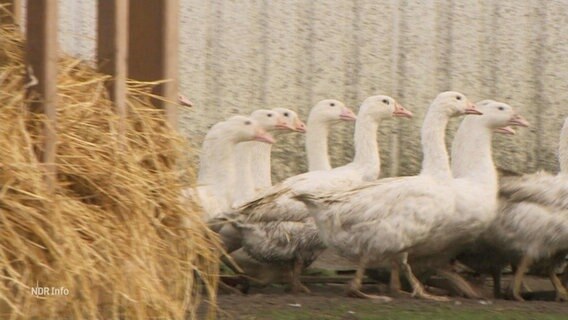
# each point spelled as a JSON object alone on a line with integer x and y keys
{"x": 506, "y": 130}
{"x": 263, "y": 136}
{"x": 347, "y": 115}
{"x": 400, "y": 111}
{"x": 300, "y": 126}
{"x": 182, "y": 100}
{"x": 519, "y": 121}
{"x": 472, "y": 109}
{"x": 282, "y": 125}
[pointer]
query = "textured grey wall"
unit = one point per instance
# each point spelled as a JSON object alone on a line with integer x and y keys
{"x": 240, "y": 55}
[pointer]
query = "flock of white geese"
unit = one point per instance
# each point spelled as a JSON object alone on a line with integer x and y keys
{"x": 451, "y": 210}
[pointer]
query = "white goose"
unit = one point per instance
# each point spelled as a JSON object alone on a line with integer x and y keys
{"x": 387, "y": 219}
{"x": 322, "y": 116}
{"x": 253, "y": 153}
{"x": 215, "y": 179}
{"x": 260, "y": 166}
{"x": 278, "y": 229}
{"x": 532, "y": 225}
{"x": 476, "y": 183}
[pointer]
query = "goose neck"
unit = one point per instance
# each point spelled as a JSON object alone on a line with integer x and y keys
{"x": 472, "y": 156}
{"x": 216, "y": 164}
{"x": 366, "y": 146}
{"x": 316, "y": 146}
{"x": 260, "y": 167}
{"x": 436, "y": 161}
{"x": 563, "y": 149}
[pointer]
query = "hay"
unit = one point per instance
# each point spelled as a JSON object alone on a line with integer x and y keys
{"x": 110, "y": 233}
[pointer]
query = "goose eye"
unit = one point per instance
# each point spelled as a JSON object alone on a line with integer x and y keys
{"x": 458, "y": 97}
{"x": 385, "y": 101}
{"x": 248, "y": 123}
{"x": 332, "y": 104}
{"x": 501, "y": 108}
{"x": 269, "y": 115}
{"x": 286, "y": 114}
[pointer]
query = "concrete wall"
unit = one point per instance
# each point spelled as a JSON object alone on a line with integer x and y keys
{"x": 237, "y": 56}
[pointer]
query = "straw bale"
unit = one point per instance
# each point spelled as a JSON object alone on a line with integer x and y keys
{"x": 113, "y": 232}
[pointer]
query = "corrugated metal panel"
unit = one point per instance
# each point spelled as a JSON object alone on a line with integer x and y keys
{"x": 237, "y": 56}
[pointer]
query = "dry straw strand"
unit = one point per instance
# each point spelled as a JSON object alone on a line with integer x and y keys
{"x": 111, "y": 232}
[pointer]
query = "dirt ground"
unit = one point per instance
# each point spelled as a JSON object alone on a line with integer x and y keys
{"x": 327, "y": 301}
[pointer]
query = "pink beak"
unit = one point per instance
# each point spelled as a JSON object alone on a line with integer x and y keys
{"x": 519, "y": 121}
{"x": 263, "y": 136}
{"x": 281, "y": 124}
{"x": 400, "y": 111}
{"x": 347, "y": 115}
{"x": 184, "y": 101}
{"x": 506, "y": 130}
{"x": 472, "y": 109}
{"x": 300, "y": 126}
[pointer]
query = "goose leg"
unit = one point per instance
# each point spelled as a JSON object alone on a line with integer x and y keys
{"x": 417, "y": 287}
{"x": 459, "y": 283}
{"x": 522, "y": 268}
{"x": 354, "y": 286}
{"x": 394, "y": 285}
{"x": 496, "y": 276}
{"x": 561, "y": 292}
{"x": 296, "y": 285}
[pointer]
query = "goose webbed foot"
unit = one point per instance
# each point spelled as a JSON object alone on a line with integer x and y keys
{"x": 296, "y": 285}
{"x": 420, "y": 292}
{"x": 354, "y": 292}
{"x": 417, "y": 287}
{"x": 460, "y": 284}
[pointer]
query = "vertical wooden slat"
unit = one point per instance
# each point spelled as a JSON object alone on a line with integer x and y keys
{"x": 153, "y": 48}
{"x": 41, "y": 53}
{"x": 14, "y": 12}
{"x": 112, "y": 51}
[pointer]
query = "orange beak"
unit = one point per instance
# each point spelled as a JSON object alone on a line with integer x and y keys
{"x": 519, "y": 121}
{"x": 263, "y": 136}
{"x": 400, "y": 111}
{"x": 347, "y": 115}
{"x": 472, "y": 109}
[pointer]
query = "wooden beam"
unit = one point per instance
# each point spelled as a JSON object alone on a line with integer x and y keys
{"x": 112, "y": 51}
{"x": 41, "y": 54}
{"x": 12, "y": 12}
{"x": 153, "y": 48}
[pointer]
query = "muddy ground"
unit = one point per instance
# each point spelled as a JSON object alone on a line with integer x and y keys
{"x": 327, "y": 301}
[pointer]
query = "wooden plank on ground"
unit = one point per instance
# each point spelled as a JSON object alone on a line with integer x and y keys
{"x": 153, "y": 48}
{"x": 12, "y": 11}
{"x": 112, "y": 51}
{"x": 41, "y": 55}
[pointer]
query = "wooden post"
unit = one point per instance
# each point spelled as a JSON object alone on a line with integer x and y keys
{"x": 112, "y": 48}
{"x": 12, "y": 13}
{"x": 153, "y": 48}
{"x": 41, "y": 54}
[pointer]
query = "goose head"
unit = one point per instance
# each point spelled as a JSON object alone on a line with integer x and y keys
{"x": 329, "y": 111}
{"x": 241, "y": 129}
{"x": 381, "y": 107}
{"x": 453, "y": 104}
{"x": 500, "y": 117}
{"x": 271, "y": 120}
{"x": 292, "y": 119}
